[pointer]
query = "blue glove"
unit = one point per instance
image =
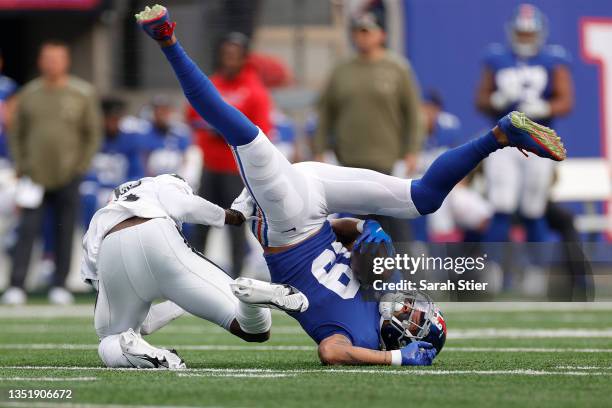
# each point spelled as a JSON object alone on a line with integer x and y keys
{"x": 373, "y": 234}
{"x": 419, "y": 353}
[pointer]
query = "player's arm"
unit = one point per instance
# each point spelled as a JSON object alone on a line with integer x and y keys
{"x": 346, "y": 229}
{"x": 338, "y": 350}
{"x": 190, "y": 208}
{"x": 562, "y": 100}
{"x": 486, "y": 88}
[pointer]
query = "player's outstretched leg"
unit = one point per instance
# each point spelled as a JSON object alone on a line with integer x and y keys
{"x": 514, "y": 130}
{"x": 201, "y": 93}
{"x": 279, "y": 191}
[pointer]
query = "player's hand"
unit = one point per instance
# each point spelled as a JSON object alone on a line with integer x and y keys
{"x": 373, "y": 234}
{"x": 411, "y": 160}
{"x": 419, "y": 353}
{"x": 500, "y": 101}
{"x": 535, "y": 109}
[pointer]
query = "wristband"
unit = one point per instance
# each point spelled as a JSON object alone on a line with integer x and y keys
{"x": 359, "y": 226}
{"x": 396, "y": 357}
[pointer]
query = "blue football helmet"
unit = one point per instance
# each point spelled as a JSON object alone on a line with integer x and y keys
{"x": 527, "y": 31}
{"x": 406, "y": 317}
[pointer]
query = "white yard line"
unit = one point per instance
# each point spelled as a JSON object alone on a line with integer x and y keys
{"x": 86, "y": 310}
{"x": 399, "y": 372}
{"x": 465, "y": 334}
{"x": 57, "y": 404}
{"x": 48, "y": 379}
{"x": 237, "y": 372}
{"x": 202, "y": 347}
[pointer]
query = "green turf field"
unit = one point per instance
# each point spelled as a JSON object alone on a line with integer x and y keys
{"x": 539, "y": 356}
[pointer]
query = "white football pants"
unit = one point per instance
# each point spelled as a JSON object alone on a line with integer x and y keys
{"x": 297, "y": 198}
{"x": 515, "y": 182}
{"x": 152, "y": 260}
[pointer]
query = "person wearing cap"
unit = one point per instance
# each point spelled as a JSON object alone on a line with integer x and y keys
{"x": 241, "y": 87}
{"x": 369, "y": 111}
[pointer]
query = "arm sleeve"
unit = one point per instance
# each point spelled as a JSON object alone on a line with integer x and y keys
{"x": 190, "y": 208}
{"x": 413, "y": 121}
{"x": 92, "y": 132}
{"x": 207, "y": 101}
{"x": 326, "y": 112}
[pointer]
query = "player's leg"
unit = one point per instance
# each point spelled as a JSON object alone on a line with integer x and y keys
{"x": 503, "y": 175}
{"x": 280, "y": 192}
{"x": 537, "y": 182}
{"x": 361, "y": 191}
{"x": 125, "y": 293}
{"x": 196, "y": 284}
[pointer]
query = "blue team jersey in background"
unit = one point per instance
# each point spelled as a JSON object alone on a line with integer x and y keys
{"x": 533, "y": 75}
{"x": 164, "y": 149}
{"x": 319, "y": 268}
{"x": 8, "y": 87}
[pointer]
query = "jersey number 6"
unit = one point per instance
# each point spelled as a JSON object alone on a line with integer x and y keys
{"x": 332, "y": 270}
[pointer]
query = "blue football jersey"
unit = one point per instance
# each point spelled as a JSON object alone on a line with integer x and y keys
{"x": 319, "y": 268}
{"x": 164, "y": 150}
{"x": 8, "y": 87}
{"x": 532, "y": 75}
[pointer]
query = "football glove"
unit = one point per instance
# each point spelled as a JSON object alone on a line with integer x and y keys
{"x": 535, "y": 109}
{"x": 419, "y": 353}
{"x": 372, "y": 233}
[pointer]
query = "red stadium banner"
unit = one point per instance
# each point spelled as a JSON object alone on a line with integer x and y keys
{"x": 83, "y": 5}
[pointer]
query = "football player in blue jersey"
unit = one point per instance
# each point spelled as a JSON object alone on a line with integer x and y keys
{"x": 291, "y": 205}
{"x": 532, "y": 77}
{"x": 165, "y": 141}
{"x": 8, "y": 88}
{"x": 118, "y": 160}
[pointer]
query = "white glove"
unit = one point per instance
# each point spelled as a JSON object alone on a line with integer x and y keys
{"x": 244, "y": 204}
{"x": 535, "y": 109}
{"x": 500, "y": 101}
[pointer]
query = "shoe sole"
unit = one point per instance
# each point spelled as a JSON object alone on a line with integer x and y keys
{"x": 545, "y": 137}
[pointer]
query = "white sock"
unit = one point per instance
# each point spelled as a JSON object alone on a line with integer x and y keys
{"x": 253, "y": 319}
{"x": 111, "y": 354}
{"x": 160, "y": 315}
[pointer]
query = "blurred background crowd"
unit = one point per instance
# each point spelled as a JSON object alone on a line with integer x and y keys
{"x": 86, "y": 103}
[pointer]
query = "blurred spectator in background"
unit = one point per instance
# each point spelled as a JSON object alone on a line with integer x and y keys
{"x": 55, "y": 132}
{"x": 118, "y": 160}
{"x": 221, "y": 183}
{"x": 465, "y": 214}
{"x": 167, "y": 143}
{"x": 8, "y": 87}
{"x": 369, "y": 112}
{"x": 534, "y": 78}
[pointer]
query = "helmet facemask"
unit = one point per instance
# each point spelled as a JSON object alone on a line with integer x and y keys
{"x": 405, "y": 317}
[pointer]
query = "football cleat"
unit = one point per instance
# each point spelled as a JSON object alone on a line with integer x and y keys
{"x": 155, "y": 21}
{"x": 143, "y": 355}
{"x": 525, "y": 134}
{"x": 270, "y": 295}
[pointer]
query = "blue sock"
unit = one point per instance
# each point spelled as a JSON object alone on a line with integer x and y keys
{"x": 499, "y": 228}
{"x": 446, "y": 171}
{"x": 536, "y": 228}
{"x": 206, "y": 100}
